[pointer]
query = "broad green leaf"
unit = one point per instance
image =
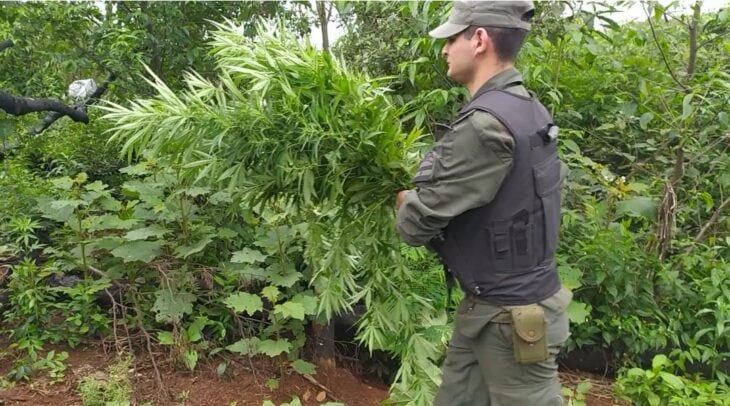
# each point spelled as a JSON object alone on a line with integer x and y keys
{"x": 144, "y": 233}
{"x": 308, "y": 302}
{"x": 248, "y": 256}
{"x": 304, "y": 367}
{"x": 290, "y": 309}
{"x": 195, "y": 330}
{"x": 220, "y": 197}
{"x": 245, "y": 346}
{"x": 271, "y": 293}
{"x": 165, "y": 338}
{"x": 59, "y": 210}
{"x": 244, "y": 302}
{"x": 185, "y": 251}
{"x": 570, "y": 276}
{"x": 226, "y": 233}
{"x": 63, "y": 183}
{"x": 170, "y": 306}
{"x": 109, "y": 222}
{"x": 638, "y": 206}
{"x": 196, "y": 191}
{"x": 659, "y": 362}
{"x": 645, "y": 120}
{"x": 672, "y": 380}
{"x": 578, "y": 312}
{"x": 687, "y": 108}
{"x": 144, "y": 251}
{"x": 286, "y": 281}
{"x": 273, "y": 348}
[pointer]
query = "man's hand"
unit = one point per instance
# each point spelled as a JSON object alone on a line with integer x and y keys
{"x": 399, "y": 198}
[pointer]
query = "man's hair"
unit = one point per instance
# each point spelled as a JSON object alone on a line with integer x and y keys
{"x": 507, "y": 41}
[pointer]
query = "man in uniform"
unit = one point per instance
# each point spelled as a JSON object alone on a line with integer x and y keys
{"x": 487, "y": 200}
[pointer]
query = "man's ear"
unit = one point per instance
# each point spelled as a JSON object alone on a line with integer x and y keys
{"x": 483, "y": 41}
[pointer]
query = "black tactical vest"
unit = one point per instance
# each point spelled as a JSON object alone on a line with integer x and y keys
{"x": 504, "y": 252}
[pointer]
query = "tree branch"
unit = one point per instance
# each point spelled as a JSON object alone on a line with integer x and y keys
{"x": 52, "y": 117}
{"x": 713, "y": 219}
{"x": 693, "y": 47}
{"x": 6, "y": 44}
{"x": 661, "y": 51}
{"x": 18, "y": 106}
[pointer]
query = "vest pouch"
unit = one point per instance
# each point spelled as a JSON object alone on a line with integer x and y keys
{"x": 523, "y": 254}
{"x": 528, "y": 334}
{"x": 501, "y": 247}
{"x": 547, "y": 187}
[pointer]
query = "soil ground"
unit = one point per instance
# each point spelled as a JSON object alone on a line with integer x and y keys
{"x": 244, "y": 384}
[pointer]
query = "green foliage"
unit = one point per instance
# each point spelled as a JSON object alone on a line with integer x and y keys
{"x": 112, "y": 387}
{"x": 660, "y": 386}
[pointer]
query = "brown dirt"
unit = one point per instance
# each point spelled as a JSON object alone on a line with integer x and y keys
{"x": 601, "y": 392}
{"x": 244, "y": 384}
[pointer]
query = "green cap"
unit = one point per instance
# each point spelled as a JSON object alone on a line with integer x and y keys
{"x": 503, "y": 14}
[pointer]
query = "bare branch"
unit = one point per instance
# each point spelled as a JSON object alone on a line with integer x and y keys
{"x": 713, "y": 219}
{"x": 693, "y": 47}
{"x": 661, "y": 51}
{"x": 18, "y": 106}
{"x": 52, "y": 117}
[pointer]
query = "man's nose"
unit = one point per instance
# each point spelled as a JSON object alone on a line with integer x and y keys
{"x": 445, "y": 51}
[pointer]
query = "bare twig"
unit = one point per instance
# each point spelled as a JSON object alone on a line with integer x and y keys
{"x": 324, "y": 388}
{"x": 711, "y": 222}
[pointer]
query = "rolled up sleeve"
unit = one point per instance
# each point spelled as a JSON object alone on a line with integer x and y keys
{"x": 469, "y": 165}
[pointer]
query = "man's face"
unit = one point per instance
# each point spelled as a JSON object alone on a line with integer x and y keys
{"x": 459, "y": 53}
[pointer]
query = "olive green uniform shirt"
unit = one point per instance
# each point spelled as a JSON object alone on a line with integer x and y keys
{"x": 469, "y": 164}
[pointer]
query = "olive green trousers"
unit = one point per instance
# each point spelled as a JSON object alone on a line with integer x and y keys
{"x": 480, "y": 368}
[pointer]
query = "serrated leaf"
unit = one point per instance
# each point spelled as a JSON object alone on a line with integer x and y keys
{"x": 226, "y": 233}
{"x": 196, "y": 191}
{"x": 244, "y": 302}
{"x": 570, "y": 277}
{"x": 220, "y": 197}
{"x": 245, "y": 346}
{"x": 285, "y": 281}
{"x": 273, "y": 348}
{"x": 309, "y": 303}
{"x": 271, "y": 293}
{"x": 58, "y": 210}
{"x": 144, "y": 251}
{"x": 63, "y": 183}
{"x": 146, "y": 232}
{"x": 578, "y": 312}
{"x": 165, "y": 338}
{"x": 291, "y": 310}
{"x": 110, "y": 222}
{"x": 248, "y": 256}
{"x": 171, "y": 306}
{"x": 185, "y": 251}
{"x": 304, "y": 367}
